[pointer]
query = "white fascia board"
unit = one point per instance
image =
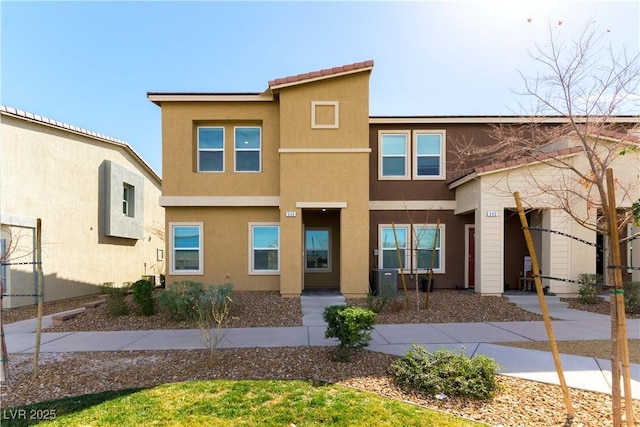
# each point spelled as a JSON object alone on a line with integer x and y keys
{"x": 209, "y": 98}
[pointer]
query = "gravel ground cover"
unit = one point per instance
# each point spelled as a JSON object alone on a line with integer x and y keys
{"x": 519, "y": 403}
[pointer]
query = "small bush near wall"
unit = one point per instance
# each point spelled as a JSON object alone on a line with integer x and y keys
{"x": 352, "y": 326}
{"x": 116, "y": 304}
{"x": 143, "y": 297}
{"x": 632, "y": 297}
{"x": 588, "y": 292}
{"x": 180, "y": 298}
{"x": 446, "y": 372}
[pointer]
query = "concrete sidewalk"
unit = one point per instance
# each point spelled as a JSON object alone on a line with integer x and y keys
{"x": 473, "y": 338}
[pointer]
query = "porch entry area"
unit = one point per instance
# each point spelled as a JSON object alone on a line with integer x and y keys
{"x": 321, "y": 249}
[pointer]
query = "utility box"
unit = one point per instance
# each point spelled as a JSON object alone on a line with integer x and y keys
{"x": 385, "y": 282}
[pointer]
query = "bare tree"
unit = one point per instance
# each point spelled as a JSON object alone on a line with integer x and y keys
{"x": 585, "y": 86}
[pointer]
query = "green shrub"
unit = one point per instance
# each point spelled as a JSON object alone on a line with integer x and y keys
{"x": 446, "y": 372}
{"x": 588, "y": 292}
{"x": 116, "y": 304}
{"x": 179, "y": 299}
{"x": 352, "y": 326}
{"x": 632, "y": 297}
{"x": 376, "y": 303}
{"x": 143, "y": 297}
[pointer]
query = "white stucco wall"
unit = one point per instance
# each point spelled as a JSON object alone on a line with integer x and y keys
{"x": 559, "y": 256}
{"x": 57, "y": 175}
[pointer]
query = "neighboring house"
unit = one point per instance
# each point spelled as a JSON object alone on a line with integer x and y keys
{"x": 297, "y": 188}
{"x": 98, "y": 205}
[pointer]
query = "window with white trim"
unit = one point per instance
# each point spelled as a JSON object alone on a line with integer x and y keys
{"x": 127, "y": 200}
{"x": 427, "y": 247}
{"x": 417, "y": 247}
{"x": 186, "y": 248}
{"x": 248, "y": 144}
{"x": 428, "y": 155}
{"x": 393, "y": 247}
{"x": 394, "y": 159}
{"x": 210, "y": 149}
{"x": 264, "y": 250}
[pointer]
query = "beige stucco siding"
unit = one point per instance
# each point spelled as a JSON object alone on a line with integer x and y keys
{"x": 541, "y": 186}
{"x": 311, "y": 174}
{"x": 226, "y": 245}
{"x": 351, "y": 92}
{"x": 179, "y": 133}
{"x": 57, "y": 176}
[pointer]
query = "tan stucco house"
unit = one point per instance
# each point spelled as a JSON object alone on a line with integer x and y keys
{"x": 98, "y": 205}
{"x": 297, "y": 188}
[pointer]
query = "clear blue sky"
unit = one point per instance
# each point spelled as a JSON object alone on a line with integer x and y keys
{"x": 90, "y": 64}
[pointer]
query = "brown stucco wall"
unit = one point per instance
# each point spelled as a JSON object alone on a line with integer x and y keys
{"x": 422, "y": 189}
{"x": 454, "y": 240}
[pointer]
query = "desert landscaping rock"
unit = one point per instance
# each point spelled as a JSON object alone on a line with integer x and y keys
{"x": 519, "y": 403}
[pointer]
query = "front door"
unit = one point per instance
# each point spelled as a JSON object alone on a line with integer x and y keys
{"x": 321, "y": 249}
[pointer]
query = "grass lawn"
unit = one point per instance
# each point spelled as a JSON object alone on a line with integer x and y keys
{"x": 232, "y": 403}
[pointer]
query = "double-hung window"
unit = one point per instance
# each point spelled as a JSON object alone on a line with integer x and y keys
{"x": 127, "y": 200}
{"x": 427, "y": 247}
{"x": 428, "y": 160}
{"x": 210, "y": 149}
{"x": 394, "y": 247}
{"x": 248, "y": 144}
{"x": 417, "y": 248}
{"x": 265, "y": 248}
{"x": 394, "y": 157}
{"x": 186, "y": 248}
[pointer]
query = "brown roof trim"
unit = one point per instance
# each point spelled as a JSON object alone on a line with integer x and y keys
{"x": 23, "y": 115}
{"x": 609, "y": 134}
{"x": 508, "y": 164}
{"x": 320, "y": 74}
{"x": 489, "y": 119}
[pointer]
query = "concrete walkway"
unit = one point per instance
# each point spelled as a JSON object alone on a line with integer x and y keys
{"x": 473, "y": 338}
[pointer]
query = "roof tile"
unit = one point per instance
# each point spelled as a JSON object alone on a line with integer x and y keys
{"x": 320, "y": 73}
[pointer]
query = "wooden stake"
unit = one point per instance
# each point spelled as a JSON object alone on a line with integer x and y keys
{"x": 404, "y": 283}
{"x": 543, "y": 305}
{"x": 433, "y": 260}
{"x": 36, "y": 352}
{"x": 620, "y": 345}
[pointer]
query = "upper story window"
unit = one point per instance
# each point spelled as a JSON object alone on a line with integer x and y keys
{"x": 210, "y": 149}
{"x": 393, "y": 156}
{"x": 422, "y": 160}
{"x": 428, "y": 155}
{"x": 248, "y": 144}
